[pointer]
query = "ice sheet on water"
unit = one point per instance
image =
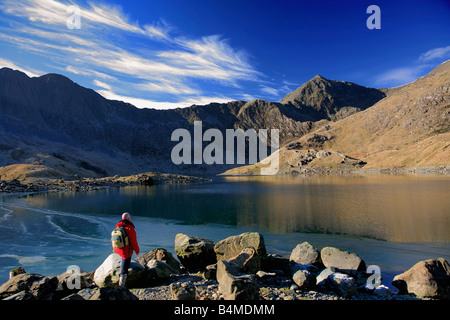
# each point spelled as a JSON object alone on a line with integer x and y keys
{"x": 24, "y": 260}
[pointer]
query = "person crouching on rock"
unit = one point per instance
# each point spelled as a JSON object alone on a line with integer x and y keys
{"x": 127, "y": 251}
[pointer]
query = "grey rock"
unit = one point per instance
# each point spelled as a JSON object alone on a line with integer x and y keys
{"x": 428, "y": 278}
{"x": 323, "y": 276}
{"x": 44, "y": 288}
{"x": 383, "y": 292}
{"x": 342, "y": 284}
{"x": 194, "y": 253}
{"x": 39, "y": 286}
{"x": 72, "y": 281}
{"x": 183, "y": 291}
{"x": 304, "y": 279}
{"x": 232, "y": 246}
{"x": 160, "y": 254}
{"x": 108, "y": 273}
{"x": 322, "y": 154}
{"x": 210, "y": 272}
{"x": 274, "y": 262}
{"x": 113, "y": 293}
{"x": 305, "y": 253}
{"x": 342, "y": 260}
{"x": 87, "y": 293}
{"x": 158, "y": 271}
{"x": 247, "y": 260}
{"x": 232, "y": 287}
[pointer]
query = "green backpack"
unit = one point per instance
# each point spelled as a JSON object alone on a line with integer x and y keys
{"x": 119, "y": 238}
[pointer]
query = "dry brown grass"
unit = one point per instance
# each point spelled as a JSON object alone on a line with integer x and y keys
{"x": 25, "y": 171}
{"x": 409, "y": 128}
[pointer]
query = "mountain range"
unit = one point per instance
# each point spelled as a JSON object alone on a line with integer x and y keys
{"x": 50, "y": 126}
{"x": 409, "y": 128}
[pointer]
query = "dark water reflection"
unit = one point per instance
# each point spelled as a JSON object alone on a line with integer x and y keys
{"x": 392, "y": 208}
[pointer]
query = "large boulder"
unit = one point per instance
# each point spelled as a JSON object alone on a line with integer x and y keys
{"x": 428, "y": 278}
{"x": 230, "y": 247}
{"x": 160, "y": 254}
{"x": 158, "y": 271}
{"x": 344, "y": 261}
{"x": 108, "y": 273}
{"x": 194, "y": 253}
{"x": 72, "y": 281}
{"x": 342, "y": 284}
{"x": 274, "y": 262}
{"x": 29, "y": 285}
{"x": 235, "y": 287}
{"x": 322, "y": 277}
{"x": 305, "y": 253}
{"x": 247, "y": 260}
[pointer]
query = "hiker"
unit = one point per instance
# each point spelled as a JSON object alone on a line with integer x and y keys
{"x": 127, "y": 251}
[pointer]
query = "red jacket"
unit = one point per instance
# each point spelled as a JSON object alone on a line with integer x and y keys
{"x": 127, "y": 251}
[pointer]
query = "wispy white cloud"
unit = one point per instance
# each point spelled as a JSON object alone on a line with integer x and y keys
{"x": 270, "y": 91}
{"x": 148, "y": 103}
{"x": 52, "y": 12}
{"x": 404, "y": 75}
{"x": 102, "y": 85}
{"x": 436, "y": 53}
{"x": 247, "y": 97}
{"x": 166, "y": 63}
{"x": 84, "y": 72}
{"x": 399, "y": 76}
{"x": 169, "y": 86}
{"x": 29, "y": 71}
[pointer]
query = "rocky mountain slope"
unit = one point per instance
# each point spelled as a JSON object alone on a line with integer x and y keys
{"x": 331, "y": 99}
{"x": 408, "y": 128}
{"x": 51, "y": 126}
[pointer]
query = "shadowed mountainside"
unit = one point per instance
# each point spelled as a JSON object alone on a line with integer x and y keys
{"x": 52, "y": 126}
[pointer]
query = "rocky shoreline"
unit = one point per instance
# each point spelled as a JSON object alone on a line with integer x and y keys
{"x": 349, "y": 170}
{"x": 236, "y": 268}
{"x": 75, "y": 183}
{"x": 441, "y": 170}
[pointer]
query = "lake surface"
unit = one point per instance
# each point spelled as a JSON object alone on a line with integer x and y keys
{"x": 390, "y": 221}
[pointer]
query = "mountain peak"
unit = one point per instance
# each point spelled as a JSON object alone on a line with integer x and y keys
{"x": 55, "y": 77}
{"x": 8, "y": 72}
{"x": 332, "y": 99}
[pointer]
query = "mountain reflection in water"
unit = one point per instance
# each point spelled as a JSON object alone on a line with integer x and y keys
{"x": 385, "y": 207}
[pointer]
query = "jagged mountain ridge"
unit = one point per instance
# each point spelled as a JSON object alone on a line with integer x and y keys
{"x": 331, "y": 99}
{"x": 409, "y": 128}
{"x": 53, "y": 122}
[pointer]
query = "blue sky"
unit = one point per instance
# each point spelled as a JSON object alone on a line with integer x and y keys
{"x": 175, "y": 53}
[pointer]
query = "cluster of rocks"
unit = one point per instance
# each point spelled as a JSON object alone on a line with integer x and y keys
{"x": 15, "y": 186}
{"x": 357, "y": 169}
{"x": 236, "y": 268}
{"x": 77, "y": 183}
{"x": 56, "y": 185}
{"x": 303, "y": 158}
